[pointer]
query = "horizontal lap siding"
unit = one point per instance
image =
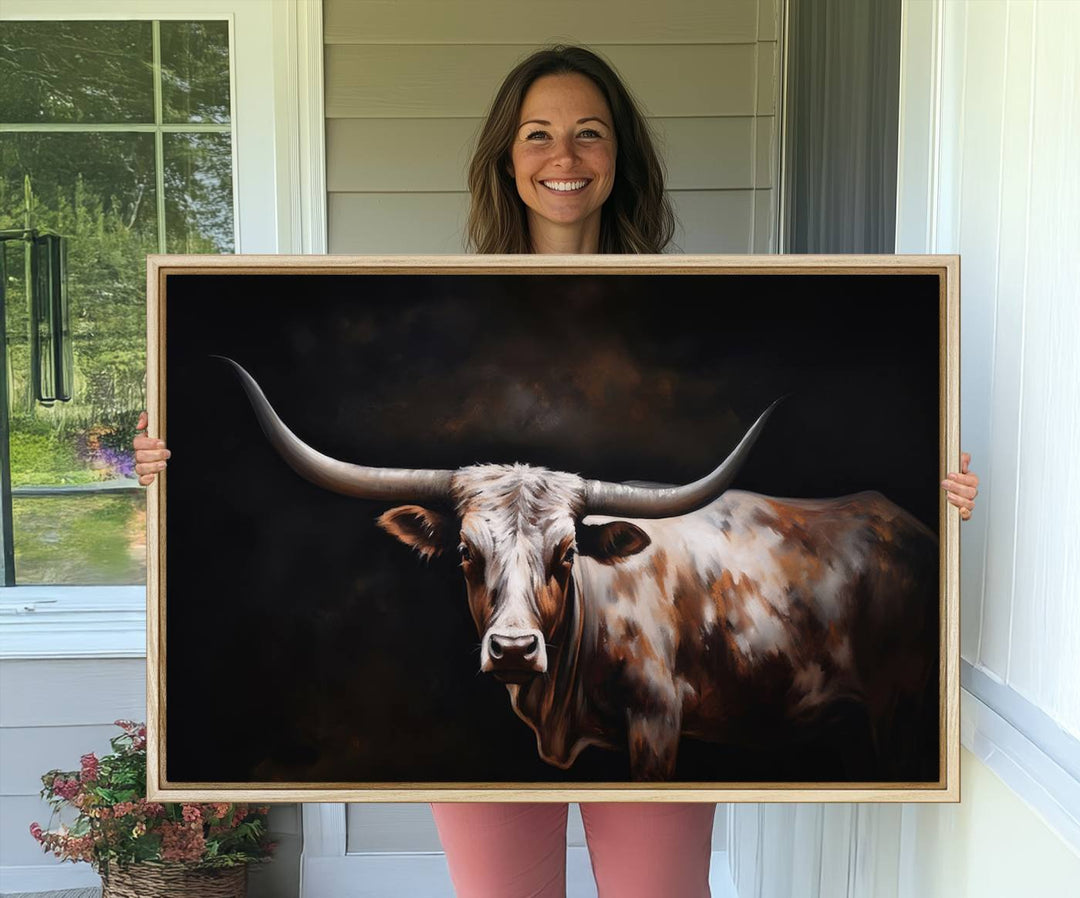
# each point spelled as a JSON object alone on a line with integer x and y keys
{"x": 408, "y": 84}
{"x": 708, "y": 221}
{"x": 432, "y": 154}
{"x": 27, "y": 752}
{"x": 460, "y": 80}
{"x": 524, "y": 22}
{"x": 51, "y": 713}
{"x": 52, "y": 693}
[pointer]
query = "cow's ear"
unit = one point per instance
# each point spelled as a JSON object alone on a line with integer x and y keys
{"x": 427, "y": 531}
{"x": 611, "y": 542}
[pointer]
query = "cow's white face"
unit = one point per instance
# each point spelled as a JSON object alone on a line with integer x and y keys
{"x": 518, "y": 532}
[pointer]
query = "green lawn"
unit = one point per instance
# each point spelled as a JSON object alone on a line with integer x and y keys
{"x": 82, "y": 539}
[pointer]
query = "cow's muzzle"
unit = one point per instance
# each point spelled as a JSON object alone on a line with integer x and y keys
{"x": 515, "y": 656}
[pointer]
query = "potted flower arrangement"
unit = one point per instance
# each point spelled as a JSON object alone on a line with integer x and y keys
{"x": 142, "y": 848}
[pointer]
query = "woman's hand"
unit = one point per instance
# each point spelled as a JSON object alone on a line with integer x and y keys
{"x": 150, "y": 454}
{"x": 962, "y": 488}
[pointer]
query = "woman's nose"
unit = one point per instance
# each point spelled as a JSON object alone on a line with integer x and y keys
{"x": 564, "y": 150}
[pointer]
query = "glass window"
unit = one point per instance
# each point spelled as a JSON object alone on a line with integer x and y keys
{"x": 59, "y": 72}
{"x": 195, "y": 71}
{"x": 118, "y": 137}
{"x": 198, "y": 193}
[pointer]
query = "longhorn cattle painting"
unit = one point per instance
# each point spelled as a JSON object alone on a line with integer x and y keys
{"x": 615, "y": 531}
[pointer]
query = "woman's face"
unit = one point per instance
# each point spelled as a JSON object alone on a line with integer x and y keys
{"x": 563, "y": 154}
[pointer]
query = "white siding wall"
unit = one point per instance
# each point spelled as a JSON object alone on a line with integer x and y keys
{"x": 989, "y": 168}
{"x": 1013, "y": 212}
{"x": 408, "y": 83}
{"x": 51, "y": 713}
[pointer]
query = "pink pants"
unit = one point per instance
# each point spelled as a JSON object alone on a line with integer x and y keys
{"x": 641, "y": 850}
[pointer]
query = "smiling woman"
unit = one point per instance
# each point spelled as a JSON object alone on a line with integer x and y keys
{"x": 563, "y": 162}
{"x": 560, "y": 118}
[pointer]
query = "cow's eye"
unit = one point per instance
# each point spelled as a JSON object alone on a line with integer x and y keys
{"x": 463, "y": 551}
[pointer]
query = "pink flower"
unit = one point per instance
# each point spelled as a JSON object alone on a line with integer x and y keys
{"x": 65, "y": 788}
{"x": 181, "y": 841}
{"x": 64, "y": 845}
{"x": 35, "y": 831}
{"x": 123, "y": 808}
{"x": 149, "y": 808}
{"x": 78, "y": 848}
{"x": 139, "y": 739}
{"x": 89, "y": 767}
{"x": 192, "y": 814}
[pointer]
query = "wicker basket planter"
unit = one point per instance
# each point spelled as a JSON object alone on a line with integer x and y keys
{"x": 161, "y": 880}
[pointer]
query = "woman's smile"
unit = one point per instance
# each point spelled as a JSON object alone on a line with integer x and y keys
{"x": 572, "y": 186}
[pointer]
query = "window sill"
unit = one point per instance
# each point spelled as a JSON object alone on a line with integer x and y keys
{"x": 72, "y": 622}
{"x": 1027, "y": 750}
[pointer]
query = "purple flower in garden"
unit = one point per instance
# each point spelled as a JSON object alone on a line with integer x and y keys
{"x": 112, "y": 462}
{"x": 118, "y": 462}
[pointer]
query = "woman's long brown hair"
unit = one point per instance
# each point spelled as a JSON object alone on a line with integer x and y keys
{"x": 637, "y": 216}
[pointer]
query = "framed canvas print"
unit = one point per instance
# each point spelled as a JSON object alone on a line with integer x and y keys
{"x": 554, "y": 528}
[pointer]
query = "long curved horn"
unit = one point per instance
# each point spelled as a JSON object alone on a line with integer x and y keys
{"x": 389, "y": 484}
{"x": 624, "y": 499}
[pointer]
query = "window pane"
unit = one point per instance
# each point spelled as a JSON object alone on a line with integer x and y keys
{"x": 195, "y": 71}
{"x": 198, "y": 193}
{"x": 76, "y": 72}
{"x": 98, "y": 190}
{"x": 81, "y": 540}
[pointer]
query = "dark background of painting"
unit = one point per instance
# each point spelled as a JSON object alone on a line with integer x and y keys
{"x": 306, "y": 645}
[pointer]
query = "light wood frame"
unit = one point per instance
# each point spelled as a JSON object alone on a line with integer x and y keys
{"x": 946, "y": 267}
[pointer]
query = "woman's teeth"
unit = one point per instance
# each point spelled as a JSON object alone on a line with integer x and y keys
{"x": 564, "y": 186}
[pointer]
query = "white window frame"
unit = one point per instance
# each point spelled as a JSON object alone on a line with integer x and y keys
{"x": 279, "y": 178}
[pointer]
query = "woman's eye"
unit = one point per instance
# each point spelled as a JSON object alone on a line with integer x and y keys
{"x": 536, "y": 135}
{"x": 589, "y": 132}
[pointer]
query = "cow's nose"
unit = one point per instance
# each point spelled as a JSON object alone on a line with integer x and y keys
{"x": 512, "y": 648}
